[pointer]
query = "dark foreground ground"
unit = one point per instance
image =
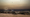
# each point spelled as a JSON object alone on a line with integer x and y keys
{"x": 12, "y": 15}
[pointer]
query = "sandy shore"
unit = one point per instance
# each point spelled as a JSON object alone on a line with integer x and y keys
{"x": 11, "y": 15}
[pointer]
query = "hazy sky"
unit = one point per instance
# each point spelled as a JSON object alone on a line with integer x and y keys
{"x": 15, "y": 3}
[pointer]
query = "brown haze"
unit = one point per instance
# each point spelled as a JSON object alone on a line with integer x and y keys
{"x": 14, "y": 4}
